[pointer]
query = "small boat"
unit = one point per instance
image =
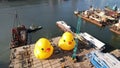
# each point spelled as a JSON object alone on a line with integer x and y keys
{"x": 93, "y": 41}
{"x": 115, "y": 28}
{"x": 34, "y": 28}
{"x": 76, "y": 12}
{"x": 63, "y": 26}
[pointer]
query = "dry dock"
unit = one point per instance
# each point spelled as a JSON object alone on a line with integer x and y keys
{"x": 23, "y": 57}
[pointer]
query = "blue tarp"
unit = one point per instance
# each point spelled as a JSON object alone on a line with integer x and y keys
{"x": 98, "y": 63}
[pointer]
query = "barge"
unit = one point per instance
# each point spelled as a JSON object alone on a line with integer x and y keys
{"x": 96, "y": 22}
{"x": 23, "y": 57}
{"x": 97, "y": 17}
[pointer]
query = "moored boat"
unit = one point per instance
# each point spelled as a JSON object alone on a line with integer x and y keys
{"x": 63, "y": 26}
{"x": 33, "y": 28}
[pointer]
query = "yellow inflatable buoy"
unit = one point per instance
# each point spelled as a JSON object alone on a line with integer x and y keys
{"x": 43, "y": 49}
{"x": 67, "y": 41}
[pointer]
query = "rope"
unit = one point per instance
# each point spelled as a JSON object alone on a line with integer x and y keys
{"x": 77, "y": 32}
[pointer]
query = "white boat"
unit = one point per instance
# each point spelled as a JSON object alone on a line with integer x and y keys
{"x": 76, "y": 12}
{"x": 63, "y": 23}
{"x": 63, "y": 26}
{"x": 95, "y": 42}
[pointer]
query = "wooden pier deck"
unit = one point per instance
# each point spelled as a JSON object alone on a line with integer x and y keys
{"x": 23, "y": 57}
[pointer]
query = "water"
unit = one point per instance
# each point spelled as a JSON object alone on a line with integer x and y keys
{"x": 46, "y": 13}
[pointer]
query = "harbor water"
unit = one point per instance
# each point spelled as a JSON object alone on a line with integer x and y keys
{"x": 45, "y": 13}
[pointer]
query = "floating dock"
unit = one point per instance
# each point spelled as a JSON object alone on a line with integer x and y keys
{"x": 23, "y": 57}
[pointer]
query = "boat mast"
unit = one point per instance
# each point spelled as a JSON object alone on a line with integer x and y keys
{"x": 77, "y": 32}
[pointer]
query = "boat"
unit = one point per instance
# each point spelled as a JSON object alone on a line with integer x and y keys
{"x": 63, "y": 26}
{"x": 93, "y": 41}
{"x": 23, "y": 57}
{"x": 115, "y": 28}
{"x": 20, "y": 35}
{"x": 34, "y": 28}
{"x": 76, "y": 12}
{"x": 103, "y": 60}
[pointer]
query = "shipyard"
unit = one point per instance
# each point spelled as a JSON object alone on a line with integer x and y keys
{"x": 60, "y": 34}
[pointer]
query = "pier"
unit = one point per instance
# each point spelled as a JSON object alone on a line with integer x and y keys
{"x": 23, "y": 57}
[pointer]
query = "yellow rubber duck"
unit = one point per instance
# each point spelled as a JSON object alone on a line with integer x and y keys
{"x": 67, "y": 41}
{"x": 43, "y": 49}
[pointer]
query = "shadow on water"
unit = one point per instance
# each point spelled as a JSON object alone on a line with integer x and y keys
{"x": 73, "y": 28}
{"x": 108, "y": 48}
